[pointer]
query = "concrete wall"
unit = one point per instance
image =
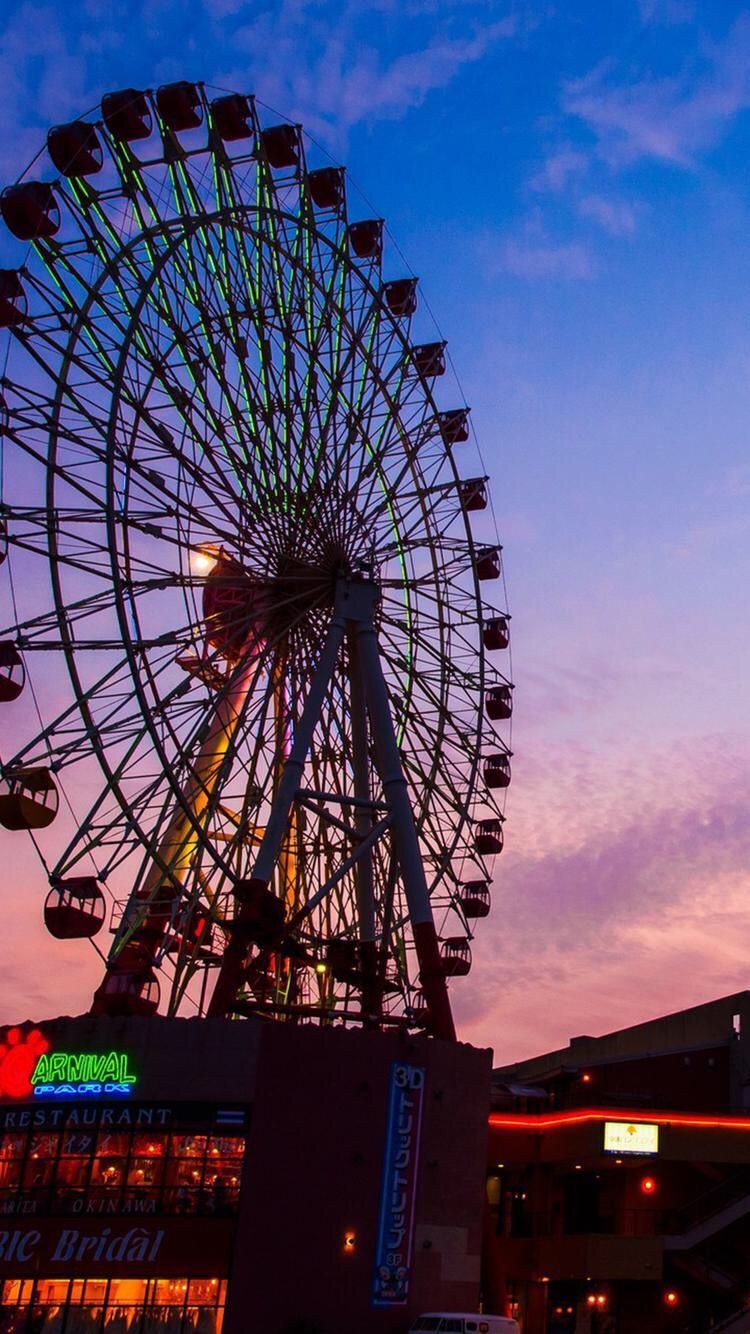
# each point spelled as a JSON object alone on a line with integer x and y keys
{"x": 314, "y": 1174}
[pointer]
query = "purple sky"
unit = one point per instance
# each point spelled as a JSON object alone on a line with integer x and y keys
{"x": 571, "y": 186}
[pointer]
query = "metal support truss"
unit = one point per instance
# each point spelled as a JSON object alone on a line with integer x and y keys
{"x": 354, "y": 615}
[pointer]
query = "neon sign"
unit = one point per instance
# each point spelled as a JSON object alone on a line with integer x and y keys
{"x": 399, "y": 1186}
{"x": 82, "y": 1074}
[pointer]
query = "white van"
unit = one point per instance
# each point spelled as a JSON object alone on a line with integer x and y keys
{"x": 449, "y": 1322}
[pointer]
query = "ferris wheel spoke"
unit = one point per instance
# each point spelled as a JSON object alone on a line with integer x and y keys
{"x": 251, "y": 265}
{"x": 157, "y": 301}
{"x": 40, "y": 626}
{"x": 161, "y": 436}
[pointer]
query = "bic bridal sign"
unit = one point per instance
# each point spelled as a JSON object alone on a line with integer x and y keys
{"x": 53, "y": 1247}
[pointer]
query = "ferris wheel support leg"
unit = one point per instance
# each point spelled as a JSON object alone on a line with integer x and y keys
{"x": 363, "y": 821}
{"x": 404, "y": 834}
{"x": 230, "y": 973}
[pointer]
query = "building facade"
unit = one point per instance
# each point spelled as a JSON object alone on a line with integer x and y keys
{"x": 618, "y": 1189}
{"x": 210, "y": 1175}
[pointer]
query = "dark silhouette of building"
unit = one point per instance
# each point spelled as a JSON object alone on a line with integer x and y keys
{"x": 618, "y": 1190}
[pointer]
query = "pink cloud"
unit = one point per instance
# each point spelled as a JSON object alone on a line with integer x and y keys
{"x": 638, "y": 907}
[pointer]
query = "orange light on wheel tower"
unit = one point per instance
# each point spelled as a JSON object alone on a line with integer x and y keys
{"x": 671, "y": 1298}
{"x": 648, "y": 1186}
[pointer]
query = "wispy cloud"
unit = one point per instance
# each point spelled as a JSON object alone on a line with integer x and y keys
{"x": 561, "y": 167}
{"x": 641, "y": 909}
{"x": 672, "y": 119}
{"x": 537, "y": 258}
{"x": 667, "y": 12}
{"x": 326, "y": 73}
{"x": 329, "y": 63}
{"x": 36, "y": 54}
{"x": 614, "y": 119}
{"x": 614, "y": 216}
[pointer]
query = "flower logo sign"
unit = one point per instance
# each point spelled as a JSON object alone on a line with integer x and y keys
{"x": 19, "y": 1054}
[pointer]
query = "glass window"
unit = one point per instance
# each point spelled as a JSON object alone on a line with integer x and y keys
{"x": 72, "y": 1171}
{"x": 95, "y": 1292}
{"x": 45, "y": 1319}
{"x": 188, "y": 1146}
{"x": 130, "y": 1291}
{"x": 145, "y": 1172}
{"x": 79, "y": 1320}
{"x": 112, "y": 1144}
{"x": 38, "y": 1172}
{"x": 203, "y": 1320}
{"x": 221, "y": 1191}
{"x": 109, "y": 1172}
{"x": 169, "y": 1292}
{"x": 149, "y": 1146}
{"x": 183, "y": 1177}
{"x": 205, "y": 1291}
{"x": 43, "y": 1146}
{"x": 50, "y": 1290}
{"x": 16, "y": 1290}
{"x": 122, "y": 1306}
{"x": 10, "y": 1173}
{"x": 12, "y": 1146}
{"x": 76, "y": 1144}
{"x": 226, "y": 1146}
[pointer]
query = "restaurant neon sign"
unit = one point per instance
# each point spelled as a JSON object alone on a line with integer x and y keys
{"x": 82, "y": 1074}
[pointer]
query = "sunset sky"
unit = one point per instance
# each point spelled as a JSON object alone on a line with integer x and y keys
{"x": 570, "y": 181}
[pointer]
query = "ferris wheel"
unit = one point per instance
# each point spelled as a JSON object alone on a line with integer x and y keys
{"x": 241, "y": 580}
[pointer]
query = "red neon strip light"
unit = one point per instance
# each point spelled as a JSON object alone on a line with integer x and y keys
{"x": 498, "y": 1121}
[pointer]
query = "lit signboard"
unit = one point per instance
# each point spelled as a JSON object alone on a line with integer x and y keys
{"x": 82, "y": 1074}
{"x": 630, "y": 1137}
{"x": 399, "y": 1187}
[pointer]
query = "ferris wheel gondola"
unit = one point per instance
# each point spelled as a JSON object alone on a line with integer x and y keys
{"x": 227, "y": 459}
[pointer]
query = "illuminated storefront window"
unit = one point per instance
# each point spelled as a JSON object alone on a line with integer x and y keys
{"x": 112, "y": 1306}
{"x": 106, "y": 1171}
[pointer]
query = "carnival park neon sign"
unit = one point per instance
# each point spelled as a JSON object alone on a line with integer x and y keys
{"x": 82, "y": 1074}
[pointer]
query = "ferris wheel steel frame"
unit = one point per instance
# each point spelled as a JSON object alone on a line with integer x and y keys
{"x": 233, "y": 382}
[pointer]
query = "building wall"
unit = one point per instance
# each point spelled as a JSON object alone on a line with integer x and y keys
{"x": 701, "y": 1026}
{"x": 314, "y": 1104}
{"x": 588, "y": 1241}
{"x": 314, "y": 1177}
